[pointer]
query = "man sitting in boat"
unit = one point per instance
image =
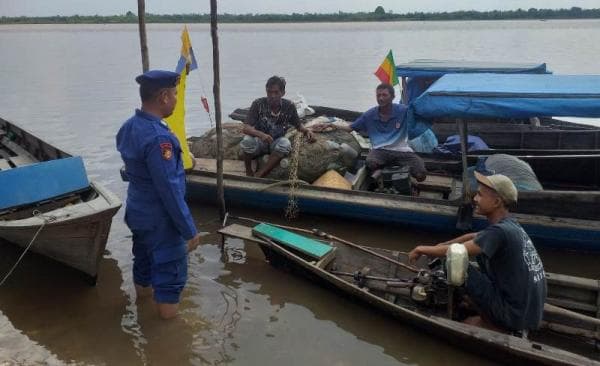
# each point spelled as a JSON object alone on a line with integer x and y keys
{"x": 388, "y": 133}
{"x": 266, "y": 125}
{"x": 509, "y": 290}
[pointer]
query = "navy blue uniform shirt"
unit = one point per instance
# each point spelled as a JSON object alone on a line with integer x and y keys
{"x": 153, "y": 164}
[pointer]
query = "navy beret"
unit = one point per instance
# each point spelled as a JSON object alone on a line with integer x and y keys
{"x": 158, "y": 78}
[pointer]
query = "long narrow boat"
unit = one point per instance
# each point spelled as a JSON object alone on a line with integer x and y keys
{"x": 381, "y": 279}
{"x": 560, "y": 141}
{"x": 48, "y": 204}
{"x": 564, "y": 215}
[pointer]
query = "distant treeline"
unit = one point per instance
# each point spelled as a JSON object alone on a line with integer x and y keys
{"x": 378, "y": 15}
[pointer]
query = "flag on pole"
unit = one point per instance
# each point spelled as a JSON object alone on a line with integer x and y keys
{"x": 387, "y": 70}
{"x": 187, "y": 62}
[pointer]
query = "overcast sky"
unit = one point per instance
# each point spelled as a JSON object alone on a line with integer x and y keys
{"x": 111, "y": 7}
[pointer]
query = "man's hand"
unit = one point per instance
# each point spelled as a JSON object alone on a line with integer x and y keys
{"x": 193, "y": 243}
{"x": 309, "y": 135}
{"x": 266, "y": 138}
{"x": 414, "y": 255}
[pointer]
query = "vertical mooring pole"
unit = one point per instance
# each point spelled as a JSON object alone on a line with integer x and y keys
{"x": 217, "y": 96}
{"x": 142, "y": 29}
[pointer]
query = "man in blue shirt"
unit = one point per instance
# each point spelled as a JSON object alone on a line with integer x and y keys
{"x": 156, "y": 211}
{"x": 388, "y": 133}
{"x": 509, "y": 288}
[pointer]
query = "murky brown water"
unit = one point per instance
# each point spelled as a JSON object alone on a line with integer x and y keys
{"x": 73, "y": 86}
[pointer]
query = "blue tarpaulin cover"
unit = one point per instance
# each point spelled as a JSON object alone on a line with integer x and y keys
{"x": 438, "y": 68}
{"x": 41, "y": 181}
{"x": 506, "y": 96}
{"x": 421, "y": 74}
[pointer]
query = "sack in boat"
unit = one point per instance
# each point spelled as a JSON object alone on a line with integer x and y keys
{"x": 332, "y": 179}
{"x": 205, "y": 146}
{"x": 337, "y": 150}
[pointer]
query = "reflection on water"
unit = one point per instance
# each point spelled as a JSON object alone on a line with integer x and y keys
{"x": 73, "y": 85}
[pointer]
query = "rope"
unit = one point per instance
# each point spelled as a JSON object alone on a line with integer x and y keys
{"x": 283, "y": 183}
{"x": 291, "y": 211}
{"x": 47, "y": 219}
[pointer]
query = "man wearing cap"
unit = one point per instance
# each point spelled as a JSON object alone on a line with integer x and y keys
{"x": 266, "y": 125}
{"x": 509, "y": 289}
{"x": 156, "y": 211}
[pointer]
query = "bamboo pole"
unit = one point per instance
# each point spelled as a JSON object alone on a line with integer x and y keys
{"x": 465, "y": 212}
{"x": 217, "y": 96}
{"x": 142, "y": 29}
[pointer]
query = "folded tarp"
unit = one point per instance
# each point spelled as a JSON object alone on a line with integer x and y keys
{"x": 497, "y": 96}
{"x": 437, "y": 68}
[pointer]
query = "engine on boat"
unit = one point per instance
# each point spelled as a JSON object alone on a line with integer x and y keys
{"x": 393, "y": 180}
{"x": 431, "y": 287}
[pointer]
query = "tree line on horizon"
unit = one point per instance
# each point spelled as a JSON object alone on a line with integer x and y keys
{"x": 378, "y": 15}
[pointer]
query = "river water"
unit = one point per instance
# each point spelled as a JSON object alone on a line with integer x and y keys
{"x": 73, "y": 85}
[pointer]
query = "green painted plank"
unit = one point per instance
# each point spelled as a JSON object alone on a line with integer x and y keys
{"x": 303, "y": 244}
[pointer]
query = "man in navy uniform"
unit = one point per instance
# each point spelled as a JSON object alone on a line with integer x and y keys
{"x": 156, "y": 212}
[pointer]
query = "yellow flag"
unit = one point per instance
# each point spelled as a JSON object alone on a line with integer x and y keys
{"x": 176, "y": 122}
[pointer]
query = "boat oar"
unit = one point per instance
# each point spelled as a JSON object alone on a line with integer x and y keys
{"x": 364, "y": 249}
{"x": 391, "y": 280}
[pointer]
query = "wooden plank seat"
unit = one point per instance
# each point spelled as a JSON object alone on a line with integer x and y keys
{"x": 307, "y": 246}
{"x": 21, "y": 160}
{"x": 438, "y": 183}
{"x": 245, "y": 233}
{"x": 4, "y": 165}
{"x": 235, "y": 167}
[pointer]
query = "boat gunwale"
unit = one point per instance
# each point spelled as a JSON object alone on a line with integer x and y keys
{"x": 373, "y": 199}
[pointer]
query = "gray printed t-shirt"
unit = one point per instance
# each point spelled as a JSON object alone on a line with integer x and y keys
{"x": 518, "y": 281}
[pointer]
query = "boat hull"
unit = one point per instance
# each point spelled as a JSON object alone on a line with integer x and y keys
{"x": 558, "y": 233}
{"x": 74, "y": 235}
{"x": 498, "y": 346}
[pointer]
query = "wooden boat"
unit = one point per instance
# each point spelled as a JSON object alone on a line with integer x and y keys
{"x": 381, "y": 279}
{"x": 552, "y": 140}
{"x": 564, "y": 215}
{"x": 47, "y": 202}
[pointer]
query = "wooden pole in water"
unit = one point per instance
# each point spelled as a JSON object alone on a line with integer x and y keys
{"x": 465, "y": 212}
{"x": 217, "y": 96}
{"x": 142, "y": 29}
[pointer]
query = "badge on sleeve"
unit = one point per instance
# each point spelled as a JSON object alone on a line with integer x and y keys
{"x": 397, "y": 125}
{"x": 166, "y": 150}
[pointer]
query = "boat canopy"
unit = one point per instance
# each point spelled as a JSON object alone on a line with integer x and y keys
{"x": 437, "y": 68}
{"x": 471, "y": 96}
{"x": 418, "y": 75}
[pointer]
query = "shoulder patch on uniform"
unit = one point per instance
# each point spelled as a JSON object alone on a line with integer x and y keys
{"x": 166, "y": 150}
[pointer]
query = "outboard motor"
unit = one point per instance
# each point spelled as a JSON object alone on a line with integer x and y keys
{"x": 457, "y": 262}
{"x": 396, "y": 180}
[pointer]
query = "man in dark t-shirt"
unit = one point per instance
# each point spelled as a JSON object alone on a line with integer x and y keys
{"x": 266, "y": 125}
{"x": 509, "y": 288}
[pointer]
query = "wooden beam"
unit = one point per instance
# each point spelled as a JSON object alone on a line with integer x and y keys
{"x": 142, "y": 29}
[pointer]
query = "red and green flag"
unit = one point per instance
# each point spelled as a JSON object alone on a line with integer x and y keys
{"x": 387, "y": 70}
